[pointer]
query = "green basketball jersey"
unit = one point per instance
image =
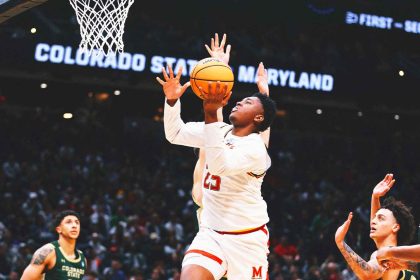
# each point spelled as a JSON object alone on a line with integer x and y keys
{"x": 407, "y": 275}
{"x": 65, "y": 269}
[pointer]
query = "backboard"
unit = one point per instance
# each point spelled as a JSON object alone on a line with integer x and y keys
{"x": 11, "y": 8}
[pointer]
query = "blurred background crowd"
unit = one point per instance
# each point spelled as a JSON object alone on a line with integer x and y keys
{"x": 111, "y": 162}
{"x": 132, "y": 189}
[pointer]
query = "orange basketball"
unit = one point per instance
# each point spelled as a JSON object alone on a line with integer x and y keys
{"x": 210, "y": 69}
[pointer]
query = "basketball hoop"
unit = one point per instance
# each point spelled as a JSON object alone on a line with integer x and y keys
{"x": 101, "y": 24}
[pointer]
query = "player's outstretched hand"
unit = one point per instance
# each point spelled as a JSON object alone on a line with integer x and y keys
{"x": 171, "y": 86}
{"x": 341, "y": 232}
{"x": 262, "y": 80}
{"x": 217, "y": 50}
{"x": 383, "y": 186}
{"x": 215, "y": 97}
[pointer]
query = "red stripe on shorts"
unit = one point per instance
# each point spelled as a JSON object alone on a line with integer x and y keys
{"x": 262, "y": 228}
{"x": 206, "y": 254}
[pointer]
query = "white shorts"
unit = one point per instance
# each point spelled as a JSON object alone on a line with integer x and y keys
{"x": 239, "y": 256}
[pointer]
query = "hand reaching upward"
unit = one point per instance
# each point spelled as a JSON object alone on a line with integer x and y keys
{"x": 383, "y": 186}
{"x": 341, "y": 232}
{"x": 217, "y": 50}
{"x": 171, "y": 86}
{"x": 262, "y": 80}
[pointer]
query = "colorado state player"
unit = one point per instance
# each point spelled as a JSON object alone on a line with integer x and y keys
{"x": 59, "y": 260}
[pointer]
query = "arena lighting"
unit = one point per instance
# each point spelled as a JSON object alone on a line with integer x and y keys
{"x": 396, "y": 117}
{"x": 67, "y": 116}
{"x": 43, "y": 85}
{"x": 33, "y": 30}
{"x": 318, "y": 111}
{"x": 117, "y": 92}
{"x": 401, "y": 73}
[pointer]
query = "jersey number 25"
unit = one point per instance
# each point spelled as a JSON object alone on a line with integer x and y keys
{"x": 212, "y": 182}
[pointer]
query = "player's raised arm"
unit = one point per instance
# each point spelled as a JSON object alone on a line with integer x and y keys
{"x": 362, "y": 269}
{"x": 41, "y": 260}
{"x": 379, "y": 191}
{"x": 262, "y": 83}
{"x": 171, "y": 86}
{"x": 217, "y": 50}
{"x": 176, "y": 131}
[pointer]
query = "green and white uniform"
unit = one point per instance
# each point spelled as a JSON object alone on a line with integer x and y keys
{"x": 407, "y": 275}
{"x": 65, "y": 269}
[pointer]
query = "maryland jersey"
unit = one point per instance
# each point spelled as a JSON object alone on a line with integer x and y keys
{"x": 233, "y": 173}
{"x": 65, "y": 269}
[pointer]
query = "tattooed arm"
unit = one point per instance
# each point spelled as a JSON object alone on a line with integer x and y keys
{"x": 362, "y": 269}
{"x": 43, "y": 259}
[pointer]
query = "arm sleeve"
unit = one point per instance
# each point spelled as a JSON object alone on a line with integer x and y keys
{"x": 177, "y": 132}
{"x": 221, "y": 160}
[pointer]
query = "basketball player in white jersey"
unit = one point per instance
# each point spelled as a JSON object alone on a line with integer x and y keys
{"x": 218, "y": 51}
{"x": 232, "y": 236}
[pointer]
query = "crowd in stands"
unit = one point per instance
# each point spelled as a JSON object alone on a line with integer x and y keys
{"x": 132, "y": 189}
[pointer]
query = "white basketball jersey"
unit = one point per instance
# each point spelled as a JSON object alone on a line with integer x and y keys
{"x": 233, "y": 173}
{"x": 234, "y": 202}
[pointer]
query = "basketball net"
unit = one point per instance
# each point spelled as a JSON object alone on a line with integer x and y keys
{"x": 101, "y": 24}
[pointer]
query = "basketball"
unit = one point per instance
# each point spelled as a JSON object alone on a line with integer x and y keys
{"x": 210, "y": 70}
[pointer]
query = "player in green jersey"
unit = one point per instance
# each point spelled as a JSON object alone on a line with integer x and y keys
{"x": 59, "y": 260}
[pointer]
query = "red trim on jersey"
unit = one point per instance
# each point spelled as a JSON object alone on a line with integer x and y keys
{"x": 245, "y": 231}
{"x": 264, "y": 230}
{"x": 206, "y": 254}
{"x": 256, "y": 175}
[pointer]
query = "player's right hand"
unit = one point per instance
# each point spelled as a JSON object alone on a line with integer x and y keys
{"x": 171, "y": 86}
{"x": 215, "y": 97}
{"x": 383, "y": 186}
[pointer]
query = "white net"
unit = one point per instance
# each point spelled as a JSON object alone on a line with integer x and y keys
{"x": 102, "y": 24}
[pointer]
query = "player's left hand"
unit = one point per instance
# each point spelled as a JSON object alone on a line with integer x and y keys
{"x": 341, "y": 232}
{"x": 262, "y": 80}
